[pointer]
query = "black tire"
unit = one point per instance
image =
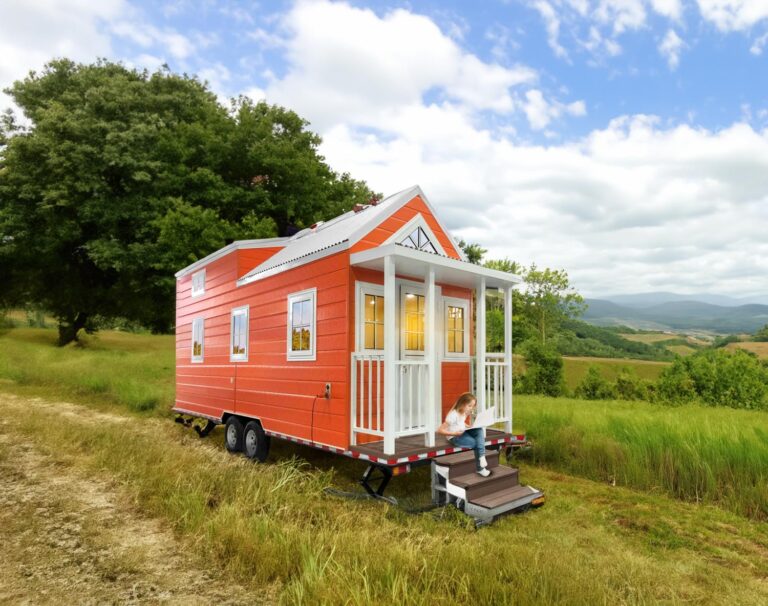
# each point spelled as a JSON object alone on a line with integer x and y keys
{"x": 255, "y": 442}
{"x": 233, "y": 435}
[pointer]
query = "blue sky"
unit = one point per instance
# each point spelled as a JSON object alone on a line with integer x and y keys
{"x": 623, "y": 140}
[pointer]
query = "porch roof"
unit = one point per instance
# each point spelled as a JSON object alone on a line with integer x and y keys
{"x": 411, "y": 262}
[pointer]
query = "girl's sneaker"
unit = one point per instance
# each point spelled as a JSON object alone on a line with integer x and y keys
{"x": 485, "y": 472}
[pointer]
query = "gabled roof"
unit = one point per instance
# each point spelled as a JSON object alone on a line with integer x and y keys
{"x": 237, "y": 245}
{"x": 339, "y": 233}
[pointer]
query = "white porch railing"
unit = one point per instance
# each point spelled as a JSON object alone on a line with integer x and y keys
{"x": 495, "y": 384}
{"x": 367, "y": 396}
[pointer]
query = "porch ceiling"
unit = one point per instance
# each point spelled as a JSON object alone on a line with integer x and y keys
{"x": 415, "y": 263}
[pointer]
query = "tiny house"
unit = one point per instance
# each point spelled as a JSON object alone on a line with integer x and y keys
{"x": 355, "y": 335}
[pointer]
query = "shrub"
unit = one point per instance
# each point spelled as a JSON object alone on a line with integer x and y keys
{"x": 544, "y": 370}
{"x": 762, "y": 334}
{"x": 631, "y": 387}
{"x": 717, "y": 377}
{"x": 595, "y": 387}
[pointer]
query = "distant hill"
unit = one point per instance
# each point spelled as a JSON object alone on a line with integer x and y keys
{"x": 650, "y": 299}
{"x": 679, "y": 315}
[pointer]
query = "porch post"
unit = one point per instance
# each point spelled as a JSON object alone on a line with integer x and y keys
{"x": 390, "y": 354}
{"x": 481, "y": 346}
{"x": 508, "y": 358}
{"x": 430, "y": 352}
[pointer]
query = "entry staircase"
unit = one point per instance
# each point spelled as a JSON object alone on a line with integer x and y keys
{"x": 456, "y": 481}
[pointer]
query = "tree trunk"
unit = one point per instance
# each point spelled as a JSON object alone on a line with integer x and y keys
{"x": 69, "y": 328}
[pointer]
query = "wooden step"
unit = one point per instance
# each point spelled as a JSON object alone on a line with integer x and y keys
{"x": 506, "y": 495}
{"x": 463, "y": 463}
{"x": 478, "y": 486}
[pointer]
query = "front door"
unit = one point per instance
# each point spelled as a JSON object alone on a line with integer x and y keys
{"x": 413, "y": 374}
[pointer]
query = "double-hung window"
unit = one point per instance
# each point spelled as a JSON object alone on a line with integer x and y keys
{"x": 238, "y": 340}
{"x": 198, "y": 283}
{"x": 302, "y": 325}
{"x": 456, "y": 318}
{"x": 198, "y": 336}
{"x": 370, "y": 317}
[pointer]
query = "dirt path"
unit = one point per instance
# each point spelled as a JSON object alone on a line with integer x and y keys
{"x": 70, "y": 539}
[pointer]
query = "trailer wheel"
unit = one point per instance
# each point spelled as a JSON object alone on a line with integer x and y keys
{"x": 233, "y": 435}
{"x": 255, "y": 442}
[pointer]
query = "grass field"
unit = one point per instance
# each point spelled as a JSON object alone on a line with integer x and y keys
{"x": 759, "y": 348}
{"x": 576, "y": 368}
{"x": 649, "y": 337}
{"x": 609, "y": 533}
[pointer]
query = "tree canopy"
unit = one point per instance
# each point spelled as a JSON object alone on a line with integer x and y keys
{"x": 121, "y": 177}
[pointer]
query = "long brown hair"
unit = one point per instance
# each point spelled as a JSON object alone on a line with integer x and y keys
{"x": 463, "y": 400}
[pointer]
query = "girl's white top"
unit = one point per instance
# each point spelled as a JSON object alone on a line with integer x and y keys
{"x": 455, "y": 421}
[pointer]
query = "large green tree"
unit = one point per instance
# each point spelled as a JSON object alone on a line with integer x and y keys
{"x": 120, "y": 177}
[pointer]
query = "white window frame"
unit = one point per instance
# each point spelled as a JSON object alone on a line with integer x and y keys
{"x": 200, "y": 289}
{"x": 464, "y": 304}
{"x": 311, "y": 354}
{"x": 195, "y": 323}
{"x": 365, "y": 288}
{"x": 418, "y": 289}
{"x": 239, "y": 311}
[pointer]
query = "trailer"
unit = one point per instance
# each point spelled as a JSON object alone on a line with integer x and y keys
{"x": 354, "y": 336}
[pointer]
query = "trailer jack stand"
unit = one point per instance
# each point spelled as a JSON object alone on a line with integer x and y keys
{"x": 378, "y": 491}
{"x": 205, "y": 430}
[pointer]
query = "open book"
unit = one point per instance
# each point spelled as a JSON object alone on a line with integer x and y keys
{"x": 485, "y": 418}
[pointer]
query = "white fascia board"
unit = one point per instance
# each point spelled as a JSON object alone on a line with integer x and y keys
{"x": 271, "y": 271}
{"x": 496, "y": 277}
{"x": 407, "y": 195}
{"x": 237, "y": 245}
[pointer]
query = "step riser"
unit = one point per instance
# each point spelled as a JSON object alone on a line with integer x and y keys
{"x": 463, "y": 469}
{"x": 492, "y": 485}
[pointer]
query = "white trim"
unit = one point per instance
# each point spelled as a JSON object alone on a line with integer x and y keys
{"x": 199, "y": 289}
{"x": 243, "y": 310}
{"x": 260, "y": 274}
{"x": 494, "y": 277}
{"x": 464, "y": 304}
{"x": 309, "y": 294}
{"x": 238, "y": 245}
{"x": 407, "y": 229}
{"x": 361, "y": 289}
{"x": 193, "y": 358}
{"x": 390, "y": 344}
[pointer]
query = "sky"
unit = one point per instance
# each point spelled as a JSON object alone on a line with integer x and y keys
{"x": 625, "y": 141}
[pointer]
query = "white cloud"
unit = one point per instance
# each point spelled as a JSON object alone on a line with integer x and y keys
{"x": 541, "y": 112}
{"x": 630, "y": 207}
{"x": 671, "y": 47}
{"x": 759, "y": 44}
{"x": 350, "y": 65}
{"x": 33, "y": 33}
{"x": 552, "y": 24}
{"x": 672, "y": 9}
{"x": 733, "y": 15}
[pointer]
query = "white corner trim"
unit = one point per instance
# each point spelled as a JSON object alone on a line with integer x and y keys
{"x": 406, "y": 230}
{"x": 302, "y": 356}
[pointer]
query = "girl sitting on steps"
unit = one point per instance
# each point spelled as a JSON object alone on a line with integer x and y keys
{"x": 455, "y": 429}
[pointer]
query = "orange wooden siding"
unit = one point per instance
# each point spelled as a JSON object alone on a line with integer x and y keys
{"x": 396, "y": 220}
{"x": 248, "y": 258}
{"x": 280, "y": 392}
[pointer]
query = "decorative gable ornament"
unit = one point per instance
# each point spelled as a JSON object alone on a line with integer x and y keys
{"x": 418, "y": 239}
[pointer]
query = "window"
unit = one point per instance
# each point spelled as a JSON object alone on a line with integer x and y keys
{"x": 198, "y": 283}
{"x": 198, "y": 334}
{"x": 238, "y": 341}
{"x": 414, "y": 322}
{"x": 373, "y": 322}
{"x": 456, "y": 332}
{"x": 419, "y": 240}
{"x": 301, "y": 325}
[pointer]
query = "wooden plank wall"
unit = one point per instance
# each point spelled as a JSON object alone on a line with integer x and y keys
{"x": 281, "y": 393}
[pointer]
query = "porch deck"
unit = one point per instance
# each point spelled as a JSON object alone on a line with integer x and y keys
{"x": 411, "y": 448}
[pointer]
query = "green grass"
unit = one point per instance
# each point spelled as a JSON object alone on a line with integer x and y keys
{"x": 701, "y": 454}
{"x": 273, "y": 528}
{"x": 121, "y": 368}
{"x": 576, "y": 369}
